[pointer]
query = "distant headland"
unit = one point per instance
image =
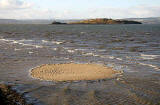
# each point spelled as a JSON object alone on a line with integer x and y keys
{"x": 55, "y": 22}
{"x": 101, "y": 21}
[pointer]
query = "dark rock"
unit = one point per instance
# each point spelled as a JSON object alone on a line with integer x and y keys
{"x": 57, "y": 22}
{"x": 8, "y": 96}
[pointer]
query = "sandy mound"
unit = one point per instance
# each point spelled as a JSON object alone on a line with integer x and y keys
{"x": 71, "y": 72}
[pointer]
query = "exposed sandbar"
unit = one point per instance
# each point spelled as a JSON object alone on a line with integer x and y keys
{"x": 71, "y": 72}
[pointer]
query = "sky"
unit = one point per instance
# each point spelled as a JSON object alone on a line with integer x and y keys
{"x": 78, "y": 9}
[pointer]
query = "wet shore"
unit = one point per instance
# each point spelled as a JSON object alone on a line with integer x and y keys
{"x": 8, "y": 96}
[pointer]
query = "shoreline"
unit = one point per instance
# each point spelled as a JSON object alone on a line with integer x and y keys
{"x": 9, "y": 96}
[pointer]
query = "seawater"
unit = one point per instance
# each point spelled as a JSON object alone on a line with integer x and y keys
{"x": 135, "y": 49}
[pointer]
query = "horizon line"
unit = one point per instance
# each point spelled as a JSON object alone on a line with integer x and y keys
{"x": 77, "y": 18}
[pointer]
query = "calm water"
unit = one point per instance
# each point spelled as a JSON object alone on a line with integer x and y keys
{"x": 135, "y": 49}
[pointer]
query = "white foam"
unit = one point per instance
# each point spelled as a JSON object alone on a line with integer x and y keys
{"x": 37, "y": 46}
{"x": 15, "y": 42}
{"x": 79, "y": 49}
{"x": 16, "y": 49}
{"x": 96, "y": 55}
{"x": 66, "y": 48}
{"x": 6, "y": 40}
{"x": 30, "y": 52}
{"x": 119, "y": 59}
{"x": 9, "y": 40}
{"x": 71, "y": 51}
{"x": 54, "y": 48}
{"x": 26, "y": 40}
{"x": 102, "y": 50}
{"x": 44, "y": 41}
{"x": 88, "y": 54}
{"x": 128, "y": 57}
{"x": 111, "y": 57}
{"x": 57, "y": 42}
{"x": 1, "y": 39}
{"x": 104, "y": 56}
{"x": 150, "y": 65}
{"x": 22, "y": 42}
{"x": 107, "y": 56}
{"x": 83, "y": 32}
{"x": 28, "y": 48}
{"x": 145, "y": 56}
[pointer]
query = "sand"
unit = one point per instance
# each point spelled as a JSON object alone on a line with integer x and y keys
{"x": 72, "y": 72}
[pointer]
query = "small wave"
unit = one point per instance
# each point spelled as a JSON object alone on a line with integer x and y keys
{"x": 119, "y": 59}
{"x": 88, "y": 54}
{"x": 111, "y": 57}
{"x": 96, "y": 55}
{"x": 6, "y": 40}
{"x": 14, "y": 42}
{"x": 150, "y": 65}
{"x": 45, "y": 41}
{"x": 22, "y": 42}
{"x": 71, "y": 51}
{"x": 118, "y": 67}
{"x": 37, "y": 46}
{"x": 128, "y": 57}
{"x": 16, "y": 49}
{"x": 30, "y": 52}
{"x": 10, "y": 40}
{"x": 57, "y": 42}
{"x": 80, "y": 49}
{"x": 102, "y": 50}
{"x": 32, "y": 45}
{"x": 83, "y": 32}
{"x": 107, "y": 56}
{"x": 26, "y": 40}
{"x": 54, "y": 49}
{"x": 145, "y": 56}
{"x": 66, "y": 58}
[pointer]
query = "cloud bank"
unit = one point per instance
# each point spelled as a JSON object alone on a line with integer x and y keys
{"x": 18, "y": 9}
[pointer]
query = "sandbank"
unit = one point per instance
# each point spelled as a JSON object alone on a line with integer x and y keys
{"x": 72, "y": 72}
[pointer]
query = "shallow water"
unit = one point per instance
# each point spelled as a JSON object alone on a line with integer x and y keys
{"x": 135, "y": 49}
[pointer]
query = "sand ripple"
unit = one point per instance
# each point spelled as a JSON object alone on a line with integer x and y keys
{"x": 71, "y": 72}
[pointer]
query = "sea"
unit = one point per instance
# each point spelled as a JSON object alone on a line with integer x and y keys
{"x": 133, "y": 49}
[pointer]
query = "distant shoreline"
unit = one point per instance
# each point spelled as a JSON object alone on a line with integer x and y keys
{"x": 149, "y": 20}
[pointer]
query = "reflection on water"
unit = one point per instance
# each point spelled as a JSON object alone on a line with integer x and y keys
{"x": 135, "y": 49}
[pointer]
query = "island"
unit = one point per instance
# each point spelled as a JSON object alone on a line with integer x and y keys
{"x": 55, "y": 22}
{"x": 101, "y": 21}
{"x": 105, "y": 21}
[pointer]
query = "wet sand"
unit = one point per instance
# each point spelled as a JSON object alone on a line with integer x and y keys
{"x": 71, "y": 72}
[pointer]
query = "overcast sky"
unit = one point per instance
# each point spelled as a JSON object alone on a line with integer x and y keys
{"x": 78, "y": 9}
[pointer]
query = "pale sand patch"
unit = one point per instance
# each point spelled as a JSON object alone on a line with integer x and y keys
{"x": 71, "y": 72}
